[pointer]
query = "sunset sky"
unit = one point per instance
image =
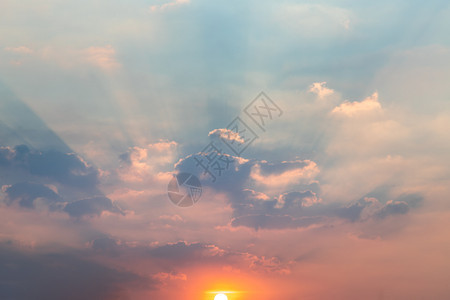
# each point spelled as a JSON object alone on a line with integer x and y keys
{"x": 338, "y": 188}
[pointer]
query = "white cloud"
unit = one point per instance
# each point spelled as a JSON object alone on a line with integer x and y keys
{"x": 227, "y": 134}
{"x": 142, "y": 164}
{"x": 320, "y": 89}
{"x": 300, "y": 172}
{"x": 370, "y": 104}
{"x": 168, "y": 5}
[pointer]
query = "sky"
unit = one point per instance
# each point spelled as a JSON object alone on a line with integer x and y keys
{"x": 314, "y": 136}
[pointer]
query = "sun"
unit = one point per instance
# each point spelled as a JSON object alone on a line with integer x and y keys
{"x": 221, "y": 297}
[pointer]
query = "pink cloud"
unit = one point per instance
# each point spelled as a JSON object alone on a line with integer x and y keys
{"x": 20, "y": 50}
{"x": 103, "y": 57}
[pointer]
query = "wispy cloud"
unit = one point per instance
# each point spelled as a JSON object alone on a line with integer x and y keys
{"x": 19, "y": 50}
{"x": 168, "y": 5}
{"x": 103, "y": 57}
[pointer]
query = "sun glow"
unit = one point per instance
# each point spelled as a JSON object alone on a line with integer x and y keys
{"x": 221, "y": 297}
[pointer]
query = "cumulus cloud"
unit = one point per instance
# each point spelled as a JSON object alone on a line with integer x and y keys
{"x": 320, "y": 89}
{"x": 350, "y": 109}
{"x": 227, "y": 134}
{"x": 91, "y": 207}
{"x": 25, "y": 193}
{"x": 65, "y": 168}
{"x": 297, "y": 199}
{"x": 284, "y": 173}
{"x": 303, "y": 209}
{"x": 32, "y": 195}
{"x": 369, "y": 208}
{"x": 141, "y": 164}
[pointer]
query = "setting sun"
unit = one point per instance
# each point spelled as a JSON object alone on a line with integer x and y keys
{"x": 221, "y": 297}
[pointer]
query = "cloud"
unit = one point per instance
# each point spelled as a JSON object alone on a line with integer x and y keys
{"x": 103, "y": 57}
{"x": 36, "y": 195}
{"x": 274, "y": 222}
{"x": 320, "y": 89}
{"x": 304, "y": 208}
{"x": 91, "y": 207}
{"x": 284, "y": 173}
{"x": 195, "y": 254}
{"x": 168, "y": 5}
{"x": 227, "y": 134}
{"x": 185, "y": 251}
{"x": 371, "y": 208}
{"x": 65, "y": 168}
{"x": 393, "y": 208}
{"x": 19, "y": 50}
{"x": 25, "y": 193}
{"x": 174, "y": 261}
{"x": 234, "y": 173}
{"x": 26, "y": 274}
{"x": 141, "y": 164}
{"x": 297, "y": 199}
{"x": 350, "y": 109}
{"x": 105, "y": 245}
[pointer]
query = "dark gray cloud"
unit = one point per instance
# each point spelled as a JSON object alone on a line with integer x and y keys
{"x": 393, "y": 208}
{"x": 294, "y": 209}
{"x": 91, "y": 207}
{"x": 369, "y": 207}
{"x": 274, "y": 221}
{"x": 172, "y": 257}
{"x": 31, "y": 275}
{"x": 303, "y": 209}
{"x": 180, "y": 251}
{"x": 106, "y": 245}
{"x": 25, "y": 193}
{"x": 65, "y": 168}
